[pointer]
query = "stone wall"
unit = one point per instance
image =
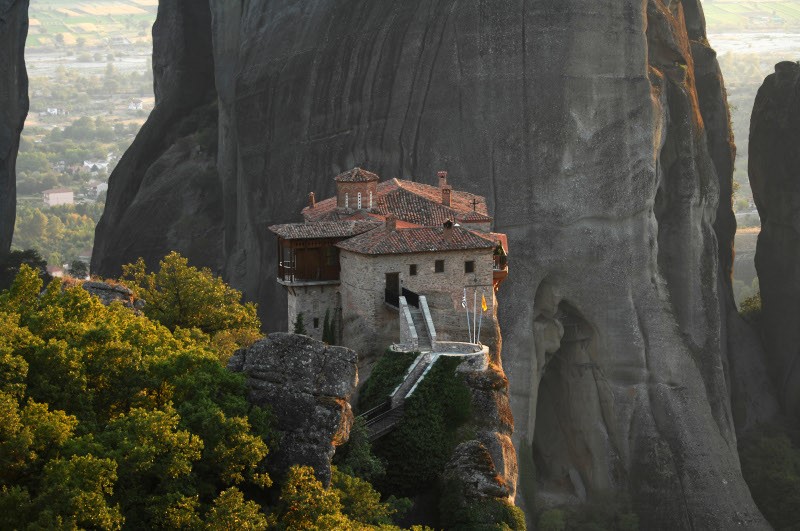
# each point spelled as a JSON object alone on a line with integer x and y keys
{"x": 352, "y": 190}
{"x": 370, "y": 326}
{"x": 313, "y": 301}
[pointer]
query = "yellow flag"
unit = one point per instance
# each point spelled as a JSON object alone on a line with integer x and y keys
{"x": 484, "y": 307}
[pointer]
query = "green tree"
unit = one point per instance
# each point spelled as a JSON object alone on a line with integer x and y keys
{"x": 328, "y": 331}
{"x": 182, "y": 296}
{"x": 107, "y": 416}
{"x": 299, "y": 325}
{"x": 307, "y": 505}
{"x": 78, "y": 269}
{"x": 11, "y": 264}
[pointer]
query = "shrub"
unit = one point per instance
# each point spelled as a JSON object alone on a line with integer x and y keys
{"x": 750, "y": 308}
{"x": 552, "y": 520}
{"x": 421, "y": 444}
{"x": 771, "y": 468}
{"x": 385, "y": 377}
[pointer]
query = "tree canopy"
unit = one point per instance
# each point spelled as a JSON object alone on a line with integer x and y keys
{"x": 180, "y": 296}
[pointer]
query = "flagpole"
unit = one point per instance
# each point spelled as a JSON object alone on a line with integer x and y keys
{"x": 480, "y": 320}
{"x": 464, "y": 305}
{"x": 474, "y": 310}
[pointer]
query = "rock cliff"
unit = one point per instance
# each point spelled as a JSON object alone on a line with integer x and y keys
{"x": 774, "y": 169}
{"x": 599, "y": 133}
{"x": 13, "y": 108}
{"x": 307, "y": 385}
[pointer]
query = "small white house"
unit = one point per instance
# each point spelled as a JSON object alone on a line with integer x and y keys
{"x": 136, "y": 105}
{"x": 58, "y": 196}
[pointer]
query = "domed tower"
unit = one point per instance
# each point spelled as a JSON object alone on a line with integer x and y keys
{"x": 356, "y": 189}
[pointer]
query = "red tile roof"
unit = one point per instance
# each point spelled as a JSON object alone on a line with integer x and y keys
{"x": 322, "y": 230}
{"x": 416, "y": 203}
{"x": 415, "y": 240}
{"x": 356, "y": 175}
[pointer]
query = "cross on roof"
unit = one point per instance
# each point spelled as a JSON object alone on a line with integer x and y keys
{"x": 475, "y": 204}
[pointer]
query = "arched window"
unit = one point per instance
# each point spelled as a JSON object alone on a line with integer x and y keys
{"x": 346, "y": 200}
{"x": 370, "y": 199}
{"x": 359, "y": 200}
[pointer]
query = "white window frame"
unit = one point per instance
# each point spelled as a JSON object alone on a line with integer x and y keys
{"x": 359, "y": 200}
{"x": 370, "y": 199}
{"x": 346, "y": 200}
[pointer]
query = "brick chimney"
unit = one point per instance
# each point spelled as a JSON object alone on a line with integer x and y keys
{"x": 312, "y": 200}
{"x": 447, "y": 233}
{"x": 442, "y": 179}
{"x": 447, "y": 191}
{"x": 391, "y": 223}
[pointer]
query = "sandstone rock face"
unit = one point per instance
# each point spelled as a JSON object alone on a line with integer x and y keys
{"x": 13, "y": 108}
{"x": 598, "y": 131}
{"x": 307, "y": 384}
{"x": 774, "y": 169}
{"x": 165, "y": 193}
{"x": 486, "y": 466}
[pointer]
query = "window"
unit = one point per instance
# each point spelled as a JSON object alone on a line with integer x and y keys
{"x": 316, "y": 322}
{"x": 438, "y": 266}
{"x": 359, "y": 200}
{"x": 412, "y": 270}
{"x": 370, "y": 199}
{"x": 346, "y": 200}
{"x": 469, "y": 266}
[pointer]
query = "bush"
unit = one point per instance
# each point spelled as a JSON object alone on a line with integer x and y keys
{"x": 750, "y": 308}
{"x": 385, "y": 377}
{"x": 771, "y": 468}
{"x": 421, "y": 444}
{"x": 552, "y": 520}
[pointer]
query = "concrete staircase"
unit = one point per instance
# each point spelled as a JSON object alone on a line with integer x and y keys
{"x": 384, "y": 418}
{"x": 425, "y": 344}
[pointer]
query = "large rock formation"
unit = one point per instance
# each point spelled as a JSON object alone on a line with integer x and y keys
{"x": 13, "y": 108}
{"x": 166, "y": 188}
{"x": 598, "y": 131}
{"x": 774, "y": 168}
{"x": 484, "y": 469}
{"x": 307, "y": 385}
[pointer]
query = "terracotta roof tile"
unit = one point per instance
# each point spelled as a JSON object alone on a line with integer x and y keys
{"x": 412, "y": 202}
{"x": 415, "y": 240}
{"x": 356, "y": 175}
{"x": 321, "y": 230}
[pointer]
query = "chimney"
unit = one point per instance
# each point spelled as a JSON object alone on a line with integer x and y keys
{"x": 312, "y": 200}
{"x": 446, "y": 192}
{"x": 442, "y": 179}
{"x": 447, "y": 233}
{"x": 391, "y": 223}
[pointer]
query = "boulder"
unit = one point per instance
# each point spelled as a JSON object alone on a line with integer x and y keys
{"x": 307, "y": 385}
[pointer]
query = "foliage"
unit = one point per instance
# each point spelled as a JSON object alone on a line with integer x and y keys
{"x": 299, "y": 325}
{"x": 348, "y": 504}
{"x": 483, "y": 515}
{"x": 62, "y": 233}
{"x": 385, "y": 377}
{"x": 180, "y": 296}
{"x": 13, "y": 261}
{"x": 78, "y": 269}
{"x": 328, "y": 330}
{"x": 356, "y": 457}
{"x": 108, "y": 417}
{"x": 750, "y": 308}
{"x": 771, "y": 468}
{"x": 552, "y": 520}
{"x": 418, "y": 448}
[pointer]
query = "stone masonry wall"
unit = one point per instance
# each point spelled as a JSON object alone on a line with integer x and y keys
{"x": 313, "y": 301}
{"x": 370, "y": 326}
{"x": 352, "y": 190}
